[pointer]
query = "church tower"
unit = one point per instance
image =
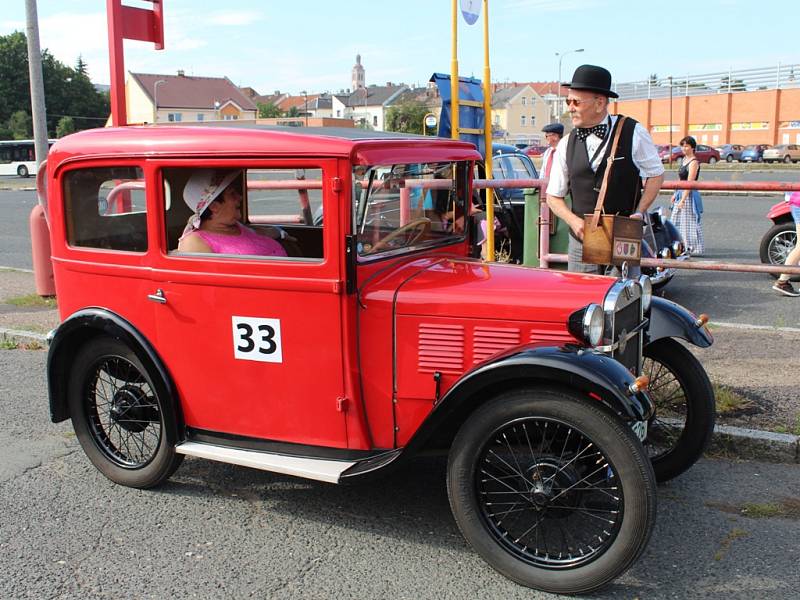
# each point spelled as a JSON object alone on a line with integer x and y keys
{"x": 358, "y": 74}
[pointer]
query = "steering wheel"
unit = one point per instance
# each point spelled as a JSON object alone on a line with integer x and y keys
{"x": 417, "y": 228}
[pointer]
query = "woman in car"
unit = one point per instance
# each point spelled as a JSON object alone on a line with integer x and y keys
{"x": 215, "y": 198}
{"x": 687, "y": 205}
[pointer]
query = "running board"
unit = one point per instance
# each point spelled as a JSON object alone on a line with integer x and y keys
{"x": 309, "y": 468}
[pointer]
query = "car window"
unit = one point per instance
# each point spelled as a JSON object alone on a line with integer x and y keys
{"x": 105, "y": 208}
{"x": 403, "y": 206}
{"x": 276, "y": 203}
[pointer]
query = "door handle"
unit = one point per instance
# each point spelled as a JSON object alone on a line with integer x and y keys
{"x": 158, "y": 296}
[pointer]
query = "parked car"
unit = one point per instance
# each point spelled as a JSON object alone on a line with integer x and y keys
{"x": 706, "y": 154}
{"x": 379, "y": 339}
{"x": 754, "y": 153}
{"x": 664, "y": 153}
{"x": 730, "y": 152}
{"x": 782, "y": 153}
{"x": 534, "y": 150}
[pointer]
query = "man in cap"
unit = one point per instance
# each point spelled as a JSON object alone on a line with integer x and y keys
{"x": 552, "y": 134}
{"x": 581, "y": 160}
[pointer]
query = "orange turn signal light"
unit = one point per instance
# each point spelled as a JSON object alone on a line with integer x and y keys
{"x": 639, "y": 384}
{"x": 701, "y": 320}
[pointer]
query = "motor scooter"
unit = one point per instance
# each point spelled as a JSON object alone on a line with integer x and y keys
{"x": 779, "y": 240}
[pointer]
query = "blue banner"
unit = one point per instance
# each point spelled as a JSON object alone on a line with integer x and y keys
{"x": 469, "y": 117}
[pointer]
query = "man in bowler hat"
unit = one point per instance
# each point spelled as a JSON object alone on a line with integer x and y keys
{"x": 581, "y": 159}
{"x": 552, "y": 134}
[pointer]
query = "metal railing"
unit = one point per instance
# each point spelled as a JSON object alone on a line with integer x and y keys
{"x": 723, "y": 82}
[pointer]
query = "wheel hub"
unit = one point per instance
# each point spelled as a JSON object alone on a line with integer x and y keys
{"x": 131, "y": 409}
{"x": 548, "y": 480}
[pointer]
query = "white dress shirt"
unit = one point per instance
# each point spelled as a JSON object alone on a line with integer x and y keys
{"x": 645, "y": 157}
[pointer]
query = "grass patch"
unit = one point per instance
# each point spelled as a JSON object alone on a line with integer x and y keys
{"x": 785, "y": 508}
{"x": 32, "y": 301}
{"x": 729, "y": 401}
{"x": 761, "y": 511}
{"x": 793, "y": 429}
{"x": 725, "y": 545}
{"x": 8, "y": 344}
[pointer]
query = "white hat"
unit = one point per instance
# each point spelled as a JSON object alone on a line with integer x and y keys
{"x": 202, "y": 189}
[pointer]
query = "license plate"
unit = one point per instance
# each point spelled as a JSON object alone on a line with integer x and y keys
{"x": 640, "y": 429}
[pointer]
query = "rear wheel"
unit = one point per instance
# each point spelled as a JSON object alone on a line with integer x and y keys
{"x": 120, "y": 415}
{"x": 683, "y": 423}
{"x": 776, "y": 245}
{"x": 551, "y": 491}
{"x": 729, "y": 158}
{"x": 712, "y": 160}
{"x": 22, "y": 171}
{"x": 787, "y": 159}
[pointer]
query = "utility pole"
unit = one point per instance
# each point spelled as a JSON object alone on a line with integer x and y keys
{"x": 38, "y": 111}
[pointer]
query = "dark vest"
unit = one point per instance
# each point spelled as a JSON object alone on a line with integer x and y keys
{"x": 624, "y": 182}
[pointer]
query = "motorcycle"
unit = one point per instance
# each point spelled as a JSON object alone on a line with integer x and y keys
{"x": 779, "y": 240}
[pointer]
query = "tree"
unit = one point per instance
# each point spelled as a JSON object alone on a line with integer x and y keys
{"x": 268, "y": 110}
{"x": 65, "y": 126}
{"x": 293, "y": 112}
{"x": 68, "y": 91}
{"x": 21, "y": 125}
{"x": 406, "y": 117}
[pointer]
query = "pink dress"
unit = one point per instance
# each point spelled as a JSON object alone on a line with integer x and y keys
{"x": 247, "y": 242}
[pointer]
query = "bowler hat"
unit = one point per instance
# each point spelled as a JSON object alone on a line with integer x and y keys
{"x": 592, "y": 78}
{"x": 554, "y": 128}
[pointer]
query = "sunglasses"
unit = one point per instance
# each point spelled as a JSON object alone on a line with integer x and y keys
{"x": 577, "y": 102}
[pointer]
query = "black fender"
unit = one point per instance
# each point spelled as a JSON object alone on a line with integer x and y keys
{"x": 87, "y": 324}
{"x": 570, "y": 366}
{"x": 671, "y": 320}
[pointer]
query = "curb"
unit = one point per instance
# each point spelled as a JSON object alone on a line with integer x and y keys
{"x": 727, "y": 441}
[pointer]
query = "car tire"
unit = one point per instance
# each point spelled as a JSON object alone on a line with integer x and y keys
{"x": 121, "y": 416}
{"x": 761, "y": 159}
{"x": 683, "y": 424}
{"x": 712, "y": 160}
{"x": 776, "y": 245}
{"x": 787, "y": 159}
{"x": 22, "y": 171}
{"x": 561, "y": 426}
{"x": 729, "y": 158}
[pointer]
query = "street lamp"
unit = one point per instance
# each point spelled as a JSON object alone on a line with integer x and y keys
{"x": 561, "y": 56}
{"x": 305, "y": 105}
{"x": 155, "y": 98}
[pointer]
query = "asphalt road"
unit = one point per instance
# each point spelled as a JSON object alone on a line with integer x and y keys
{"x": 221, "y": 531}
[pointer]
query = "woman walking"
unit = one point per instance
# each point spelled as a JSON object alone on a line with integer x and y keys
{"x": 687, "y": 205}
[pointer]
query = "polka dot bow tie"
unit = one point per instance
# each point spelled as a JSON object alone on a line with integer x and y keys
{"x": 585, "y": 132}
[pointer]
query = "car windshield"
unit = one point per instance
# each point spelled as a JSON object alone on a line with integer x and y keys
{"x": 512, "y": 166}
{"x": 408, "y": 205}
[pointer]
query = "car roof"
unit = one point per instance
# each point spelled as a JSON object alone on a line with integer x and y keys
{"x": 243, "y": 140}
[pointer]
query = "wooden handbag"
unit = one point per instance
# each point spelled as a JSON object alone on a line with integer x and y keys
{"x": 611, "y": 239}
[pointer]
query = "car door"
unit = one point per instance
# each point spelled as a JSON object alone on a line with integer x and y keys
{"x": 253, "y": 342}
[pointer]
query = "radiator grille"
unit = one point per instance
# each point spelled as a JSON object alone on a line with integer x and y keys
{"x": 626, "y": 319}
{"x": 441, "y": 348}
{"x": 490, "y": 340}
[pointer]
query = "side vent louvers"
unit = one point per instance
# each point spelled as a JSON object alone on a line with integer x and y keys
{"x": 489, "y": 340}
{"x": 441, "y": 348}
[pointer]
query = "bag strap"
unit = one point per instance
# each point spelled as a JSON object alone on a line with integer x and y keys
{"x": 601, "y": 197}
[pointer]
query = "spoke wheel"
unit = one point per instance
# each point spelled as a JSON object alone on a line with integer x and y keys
{"x": 551, "y": 491}
{"x": 685, "y": 410}
{"x": 120, "y": 417}
{"x": 776, "y": 245}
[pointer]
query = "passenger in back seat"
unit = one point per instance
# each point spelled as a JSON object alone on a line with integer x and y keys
{"x": 215, "y": 197}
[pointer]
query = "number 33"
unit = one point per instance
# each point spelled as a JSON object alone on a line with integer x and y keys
{"x": 257, "y": 339}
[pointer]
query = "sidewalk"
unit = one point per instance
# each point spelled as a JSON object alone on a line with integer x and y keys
{"x": 753, "y": 372}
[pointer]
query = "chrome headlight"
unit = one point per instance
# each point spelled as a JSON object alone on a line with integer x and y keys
{"x": 588, "y": 324}
{"x": 677, "y": 248}
{"x": 647, "y": 292}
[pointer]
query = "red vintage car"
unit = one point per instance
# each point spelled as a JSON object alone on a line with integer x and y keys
{"x": 373, "y": 339}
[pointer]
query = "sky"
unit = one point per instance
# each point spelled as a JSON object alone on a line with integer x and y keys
{"x": 311, "y": 45}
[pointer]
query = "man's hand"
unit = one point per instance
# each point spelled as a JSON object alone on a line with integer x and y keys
{"x": 576, "y": 224}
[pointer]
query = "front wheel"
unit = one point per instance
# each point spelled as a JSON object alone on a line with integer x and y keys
{"x": 787, "y": 159}
{"x": 776, "y": 245}
{"x": 552, "y": 491}
{"x": 683, "y": 423}
{"x": 712, "y": 160}
{"x": 120, "y": 415}
{"x": 729, "y": 158}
